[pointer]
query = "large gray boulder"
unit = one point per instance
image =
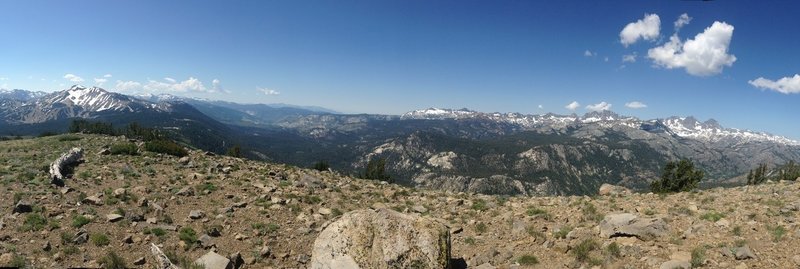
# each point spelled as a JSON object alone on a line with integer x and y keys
{"x": 60, "y": 166}
{"x": 382, "y": 238}
{"x": 612, "y": 190}
{"x": 212, "y": 260}
{"x": 627, "y": 224}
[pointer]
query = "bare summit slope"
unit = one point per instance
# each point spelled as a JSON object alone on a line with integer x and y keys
{"x": 271, "y": 214}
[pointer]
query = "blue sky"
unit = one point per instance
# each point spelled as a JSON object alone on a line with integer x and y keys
{"x": 395, "y": 56}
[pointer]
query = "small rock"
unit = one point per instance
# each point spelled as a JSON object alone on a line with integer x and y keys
{"x": 114, "y": 217}
{"x": 184, "y": 160}
{"x": 185, "y": 191}
{"x": 626, "y": 224}
{"x": 236, "y": 260}
{"x": 128, "y": 239}
{"x": 419, "y": 209}
{"x": 264, "y": 252}
{"x": 723, "y": 223}
{"x": 673, "y": 264}
{"x": 303, "y": 258}
{"x": 65, "y": 190}
{"x": 6, "y": 258}
{"x": 743, "y": 253}
{"x": 152, "y": 220}
{"x": 120, "y": 192}
{"x": 239, "y": 236}
{"x": 796, "y": 259}
{"x": 139, "y": 261}
{"x": 324, "y": 211}
{"x": 212, "y": 260}
{"x": 81, "y": 237}
{"x": 681, "y": 256}
{"x": 239, "y": 204}
{"x": 22, "y": 207}
{"x": 93, "y": 200}
{"x": 196, "y": 214}
{"x": 485, "y": 266}
{"x": 206, "y": 241}
{"x": 47, "y": 246}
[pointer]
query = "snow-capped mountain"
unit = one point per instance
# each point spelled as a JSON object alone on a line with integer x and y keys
{"x": 20, "y": 95}
{"x": 77, "y": 101}
{"x": 687, "y": 127}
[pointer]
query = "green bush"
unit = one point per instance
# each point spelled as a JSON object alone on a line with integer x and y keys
{"x": 113, "y": 261}
{"x": 789, "y": 171}
{"x": 528, "y": 260}
{"x": 34, "y": 222}
{"x": 79, "y": 220}
{"x": 583, "y": 249}
{"x": 165, "y": 147}
{"x": 124, "y": 149}
{"x": 99, "y": 239}
{"x": 187, "y": 235}
{"x": 698, "y": 256}
{"x": 677, "y": 177}
{"x": 376, "y": 169}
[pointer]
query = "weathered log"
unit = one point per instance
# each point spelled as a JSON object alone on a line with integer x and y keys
{"x": 59, "y": 167}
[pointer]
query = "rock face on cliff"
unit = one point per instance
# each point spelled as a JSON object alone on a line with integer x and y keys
{"x": 382, "y": 238}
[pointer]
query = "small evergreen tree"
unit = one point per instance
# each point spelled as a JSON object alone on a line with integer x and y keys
{"x": 235, "y": 151}
{"x": 376, "y": 170}
{"x": 789, "y": 171}
{"x": 321, "y": 166}
{"x": 677, "y": 177}
{"x": 758, "y": 176}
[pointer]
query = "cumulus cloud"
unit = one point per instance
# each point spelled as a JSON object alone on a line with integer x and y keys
{"x": 682, "y": 21}
{"x": 784, "y": 85}
{"x": 268, "y": 91}
{"x": 70, "y": 77}
{"x": 541, "y": 107}
{"x": 572, "y": 106}
{"x": 647, "y": 28}
{"x": 3, "y": 78}
{"x": 191, "y": 84}
{"x": 629, "y": 58}
{"x": 705, "y": 55}
{"x": 599, "y": 106}
{"x": 635, "y": 105}
{"x": 100, "y": 81}
{"x": 589, "y": 53}
{"x": 107, "y": 75}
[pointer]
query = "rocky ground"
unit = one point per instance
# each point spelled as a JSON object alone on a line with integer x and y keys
{"x": 267, "y": 215}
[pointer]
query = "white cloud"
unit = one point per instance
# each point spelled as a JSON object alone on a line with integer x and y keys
{"x": 268, "y": 91}
{"x": 3, "y": 78}
{"x": 785, "y": 85}
{"x": 541, "y": 106}
{"x": 635, "y": 105}
{"x": 705, "y": 55}
{"x": 70, "y": 77}
{"x": 599, "y": 107}
{"x": 107, "y": 75}
{"x": 606, "y": 59}
{"x": 128, "y": 86}
{"x": 588, "y": 53}
{"x": 629, "y": 58}
{"x": 683, "y": 20}
{"x": 216, "y": 86}
{"x": 168, "y": 85}
{"x": 572, "y": 106}
{"x": 647, "y": 28}
{"x": 100, "y": 81}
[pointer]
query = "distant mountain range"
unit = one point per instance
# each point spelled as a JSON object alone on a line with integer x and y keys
{"x": 457, "y": 150}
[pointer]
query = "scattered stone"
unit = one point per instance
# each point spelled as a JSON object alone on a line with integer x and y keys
{"x": 114, "y": 217}
{"x": 302, "y": 258}
{"x": 239, "y": 204}
{"x": 6, "y": 258}
{"x": 613, "y": 190}
{"x": 673, "y": 264}
{"x": 196, "y": 214}
{"x": 93, "y": 200}
{"x": 264, "y": 252}
{"x": 397, "y": 239}
{"x": 47, "y": 246}
{"x": 184, "y": 160}
{"x": 65, "y": 190}
{"x": 120, "y": 192}
{"x": 324, "y": 211}
{"x": 626, "y": 224}
{"x": 419, "y": 209}
{"x": 80, "y": 237}
{"x": 239, "y": 236}
{"x": 236, "y": 260}
{"x": 104, "y": 151}
{"x": 722, "y": 223}
{"x": 212, "y": 260}
{"x": 186, "y": 191}
{"x": 128, "y": 239}
{"x": 206, "y": 241}
{"x": 22, "y": 207}
{"x": 743, "y": 253}
{"x": 485, "y": 266}
{"x": 139, "y": 261}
